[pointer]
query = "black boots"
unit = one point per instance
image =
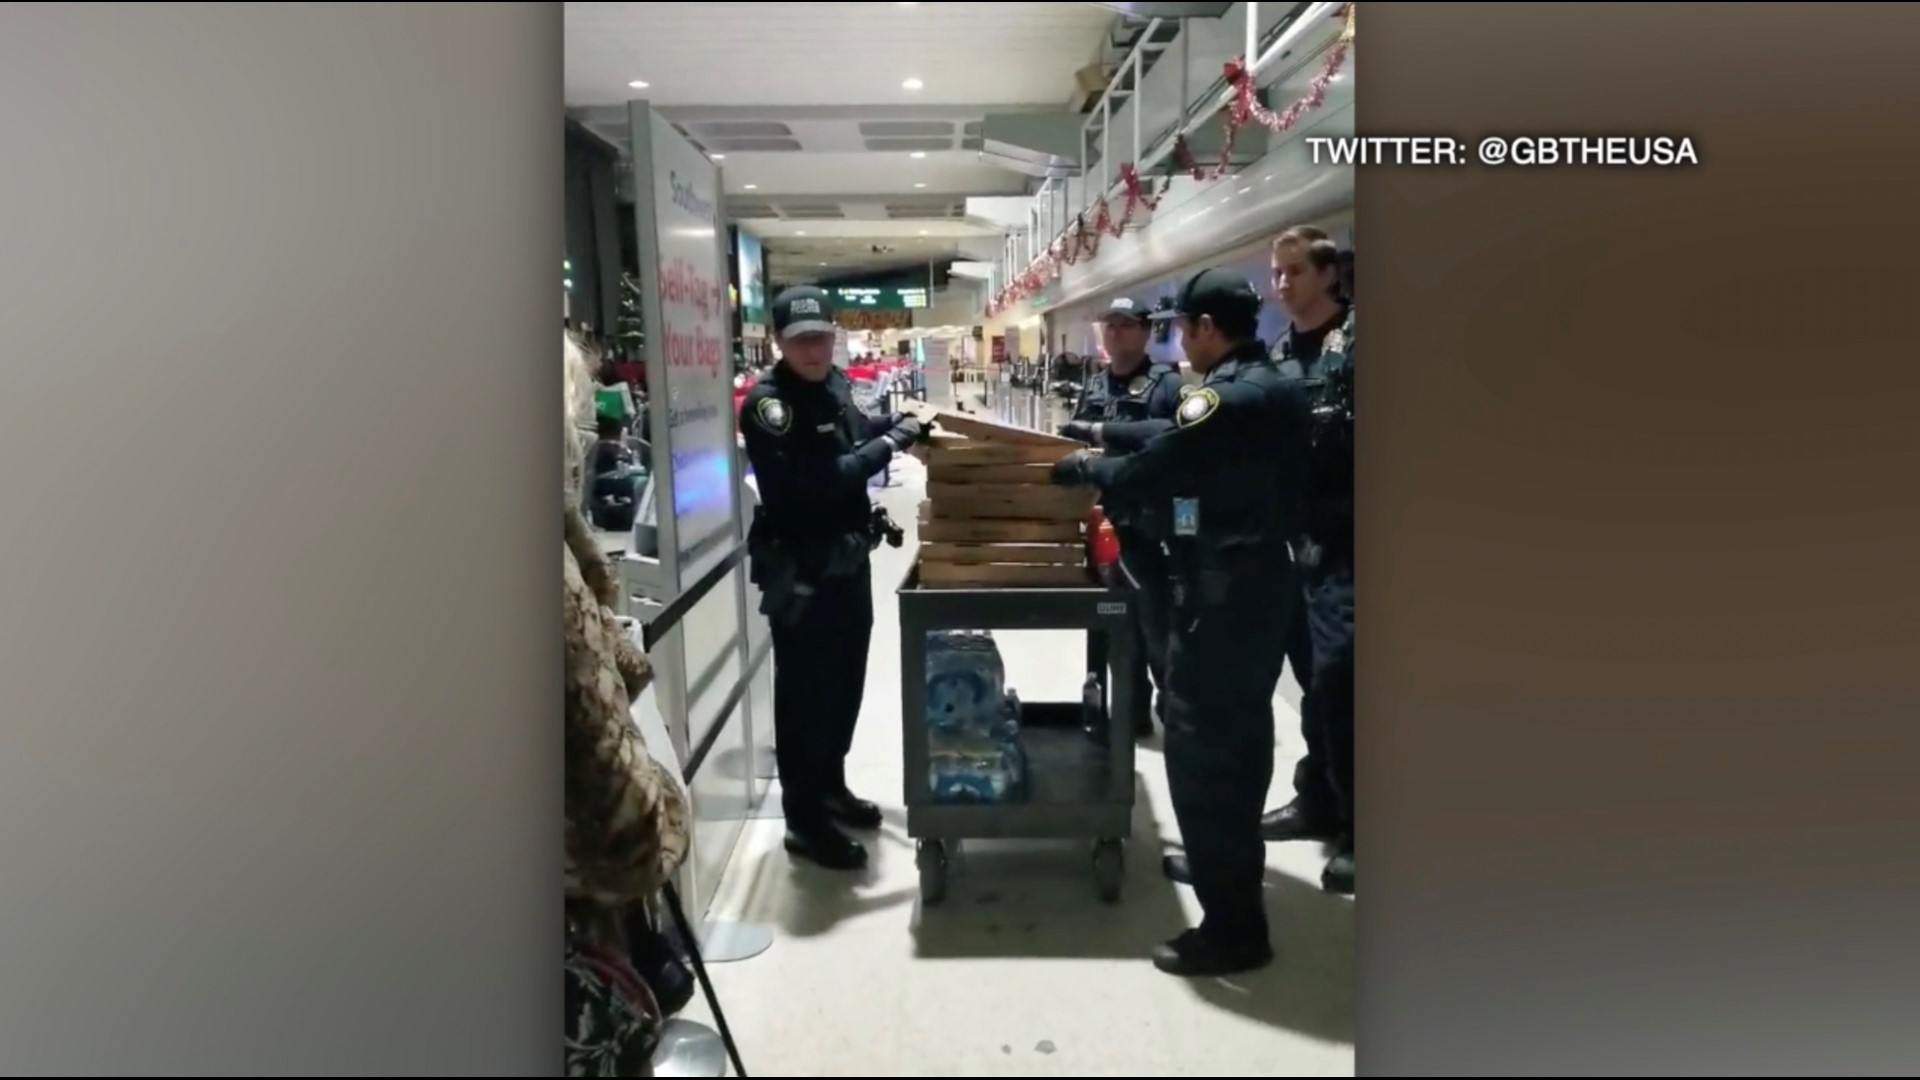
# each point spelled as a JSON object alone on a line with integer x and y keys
{"x": 1198, "y": 954}
{"x": 818, "y": 838}
{"x": 826, "y": 847}
{"x": 845, "y": 810}
{"x": 1295, "y": 821}
{"x": 1338, "y": 876}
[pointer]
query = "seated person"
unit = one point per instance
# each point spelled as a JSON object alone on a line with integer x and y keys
{"x": 613, "y": 478}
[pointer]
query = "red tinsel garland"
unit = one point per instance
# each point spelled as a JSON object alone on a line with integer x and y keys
{"x": 1081, "y": 241}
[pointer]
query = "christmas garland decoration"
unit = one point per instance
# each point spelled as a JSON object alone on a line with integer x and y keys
{"x": 1081, "y": 240}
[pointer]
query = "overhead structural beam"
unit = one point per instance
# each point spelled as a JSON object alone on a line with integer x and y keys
{"x": 1048, "y": 142}
{"x": 777, "y": 197}
{"x": 1170, "y": 11}
{"x": 719, "y": 114}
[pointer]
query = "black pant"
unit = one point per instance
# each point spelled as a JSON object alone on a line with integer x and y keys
{"x": 1313, "y": 787}
{"x": 1223, "y": 667}
{"x": 1146, "y": 573}
{"x": 819, "y": 679}
{"x": 1327, "y": 712}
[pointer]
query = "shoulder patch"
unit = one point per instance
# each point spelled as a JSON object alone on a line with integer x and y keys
{"x": 1197, "y": 407}
{"x": 1139, "y": 385}
{"x": 772, "y": 413}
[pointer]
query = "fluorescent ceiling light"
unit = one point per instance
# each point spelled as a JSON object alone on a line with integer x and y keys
{"x": 638, "y": 84}
{"x": 923, "y": 183}
{"x": 914, "y": 84}
{"x": 753, "y": 187}
{"x": 919, "y": 155}
{"x": 718, "y": 157}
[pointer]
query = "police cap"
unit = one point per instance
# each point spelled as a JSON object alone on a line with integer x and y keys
{"x": 1125, "y": 309}
{"x": 1228, "y": 298}
{"x": 802, "y": 310}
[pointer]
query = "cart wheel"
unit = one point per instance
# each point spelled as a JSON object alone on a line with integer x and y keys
{"x": 1109, "y": 867}
{"x": 932, "y": 859}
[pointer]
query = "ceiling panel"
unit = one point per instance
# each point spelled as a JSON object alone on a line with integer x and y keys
{"x": 829, "y": 53}
{"x": 900, "y": 175}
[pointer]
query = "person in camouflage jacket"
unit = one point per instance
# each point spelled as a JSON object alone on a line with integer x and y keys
{"x": 627, "y": 828}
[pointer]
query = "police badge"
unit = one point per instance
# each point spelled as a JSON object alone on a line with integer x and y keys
{"x": 773, "y": 415}
{"x": 1197, "y": 407}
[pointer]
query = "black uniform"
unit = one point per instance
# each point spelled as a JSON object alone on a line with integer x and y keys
{"x": 1230, "y": 472}
{"x": 812, "y": 453}
{"x": 1322, "y": 806}
{"x": 1130, "y": 410}
{"x": 1325, "y": 554}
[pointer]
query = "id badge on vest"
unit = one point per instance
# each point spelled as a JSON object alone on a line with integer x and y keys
{"x": 1186, "y": 517}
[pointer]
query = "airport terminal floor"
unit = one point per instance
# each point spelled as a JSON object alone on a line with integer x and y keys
{"x": 1021, "y": 971}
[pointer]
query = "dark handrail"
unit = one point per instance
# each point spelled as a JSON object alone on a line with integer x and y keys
{"x": 676, "y": 609}
{"x": 728, "y": 709}
{"x": 662, "y": 624}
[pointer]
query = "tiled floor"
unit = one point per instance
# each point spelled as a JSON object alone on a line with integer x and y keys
{"x": 1022, "y": 972}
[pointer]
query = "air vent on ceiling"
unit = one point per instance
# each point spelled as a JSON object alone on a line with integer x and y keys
{"x": 974, "y": 143}
{"x": 906, "y": 129}
{"x": 745, "y": 129}
{"x": 750, "y": 209}
{"x": 913, "y": 211}
{"x": 754, "y": 146}
{"x": 812, "y": 211}
{"x": 901, "y": 146}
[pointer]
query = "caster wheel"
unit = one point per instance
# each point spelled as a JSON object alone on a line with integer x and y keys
{"x": 935, "y": 865}
{"x": 1109, "y": 868}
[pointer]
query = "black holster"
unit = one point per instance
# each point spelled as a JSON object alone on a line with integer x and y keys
{"x": 1209, "y": 575}
{"x": 788, "y": 572}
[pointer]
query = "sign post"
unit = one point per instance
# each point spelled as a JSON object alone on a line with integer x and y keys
{"x": 700, "y": 663}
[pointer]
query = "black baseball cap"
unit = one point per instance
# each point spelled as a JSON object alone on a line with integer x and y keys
{"x": 802, "y": 310}
{"x": 1125, "y": 308}
{"x": 1222, "y": 294}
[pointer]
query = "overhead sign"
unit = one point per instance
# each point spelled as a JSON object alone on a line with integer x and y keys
{"x": 873, "y": 319}
{"x": 753, "y": 274}
{"x": 889, "y": 298}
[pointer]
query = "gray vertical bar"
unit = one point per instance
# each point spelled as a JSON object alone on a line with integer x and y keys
{"x": 641, "y": 119}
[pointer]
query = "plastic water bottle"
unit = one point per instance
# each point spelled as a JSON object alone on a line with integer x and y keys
{"x": 1009, "y": 728}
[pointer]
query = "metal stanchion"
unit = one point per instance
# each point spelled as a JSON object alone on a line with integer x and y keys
{"x": 687, "y": 1048}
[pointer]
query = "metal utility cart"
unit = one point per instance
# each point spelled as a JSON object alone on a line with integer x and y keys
{"x": 1078, "y": 788}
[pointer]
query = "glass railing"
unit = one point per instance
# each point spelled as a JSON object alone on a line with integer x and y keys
{"x": 1176, "y": 80}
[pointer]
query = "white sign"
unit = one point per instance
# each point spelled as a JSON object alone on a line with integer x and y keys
{"x": 693, "y": 343}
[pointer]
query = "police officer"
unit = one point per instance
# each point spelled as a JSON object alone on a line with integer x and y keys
{"x": 812, "y": 453}
{"x": 1325, "y": 554}
{"x": 1134, "y": 399}
{"x": 1307, "y": 280}
{"x": 1229, "y": 472}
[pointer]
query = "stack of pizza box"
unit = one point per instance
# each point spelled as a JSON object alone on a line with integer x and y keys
{"x": 992, "y": 519}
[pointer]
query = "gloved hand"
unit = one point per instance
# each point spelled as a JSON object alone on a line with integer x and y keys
{"x": 1082, "y": 431}
{"x": 907, "y": 432}
{"x": 1074, "y": 470}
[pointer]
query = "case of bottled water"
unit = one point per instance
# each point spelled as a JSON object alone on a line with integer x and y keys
{"x": 973, "y": 720}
